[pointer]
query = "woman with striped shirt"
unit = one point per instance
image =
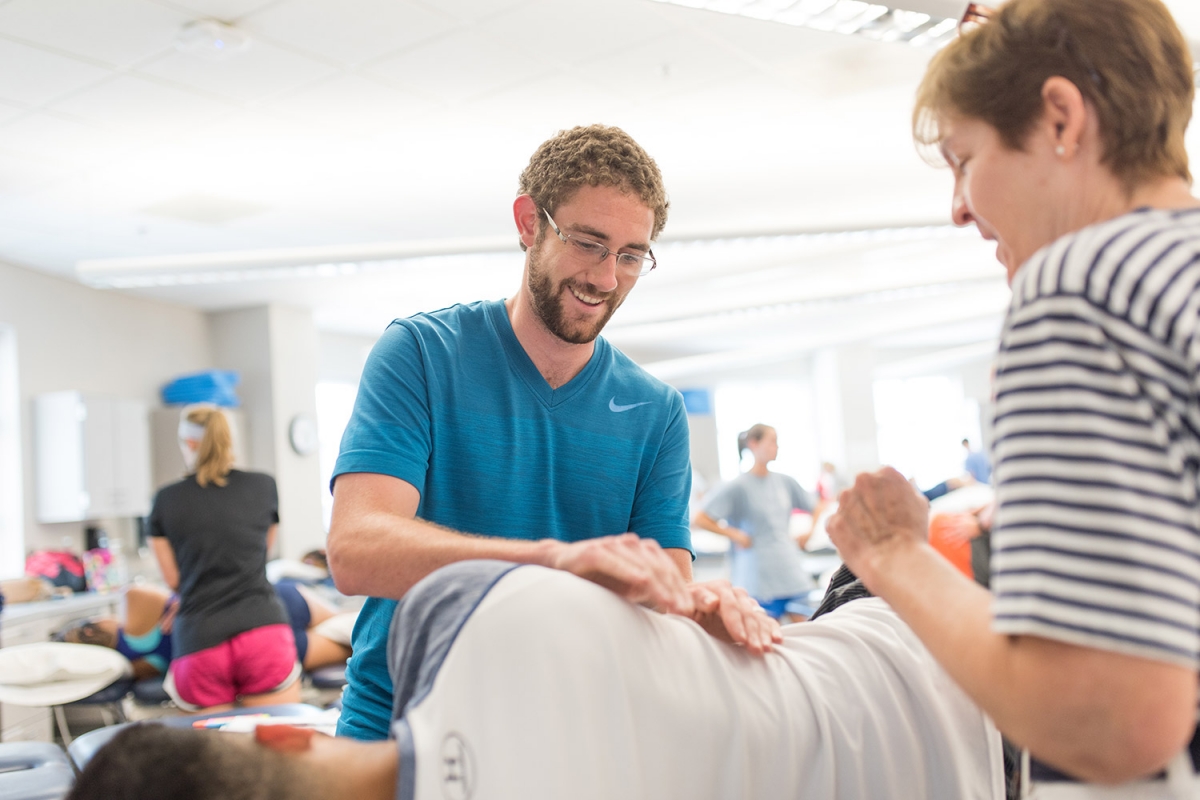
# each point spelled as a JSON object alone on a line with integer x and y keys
{"x": 1063, "y": 122}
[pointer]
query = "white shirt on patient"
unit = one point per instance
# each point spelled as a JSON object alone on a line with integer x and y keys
{"x": 557, "y": 688}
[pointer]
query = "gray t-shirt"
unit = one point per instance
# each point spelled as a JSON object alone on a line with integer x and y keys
{"x": 762, "y": 506}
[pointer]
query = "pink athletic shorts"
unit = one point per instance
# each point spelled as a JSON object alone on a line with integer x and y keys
{"x": 259, "y": 661}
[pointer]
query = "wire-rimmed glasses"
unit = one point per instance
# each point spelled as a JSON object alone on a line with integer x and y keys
{"x": 594, "y": 252}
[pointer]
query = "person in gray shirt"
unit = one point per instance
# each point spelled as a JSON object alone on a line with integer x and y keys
{"x": 755, "y": 510}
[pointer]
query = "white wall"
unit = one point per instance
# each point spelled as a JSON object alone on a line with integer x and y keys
{"x": 72, "y": 337}
{"x": 275, "y": 349}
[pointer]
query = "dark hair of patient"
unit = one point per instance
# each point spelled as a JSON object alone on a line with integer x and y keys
{"x": 154, "y": 761}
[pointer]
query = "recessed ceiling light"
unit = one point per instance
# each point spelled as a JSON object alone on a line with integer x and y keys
{"x": 211, "y": 38}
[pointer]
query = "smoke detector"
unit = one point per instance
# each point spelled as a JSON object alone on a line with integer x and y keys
{"x": 211, "y": 38}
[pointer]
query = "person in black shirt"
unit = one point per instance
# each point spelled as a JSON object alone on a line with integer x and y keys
{"x": 211, "y": 532}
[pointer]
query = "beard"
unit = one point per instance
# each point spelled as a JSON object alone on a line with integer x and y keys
{"x": 548, "y": 304}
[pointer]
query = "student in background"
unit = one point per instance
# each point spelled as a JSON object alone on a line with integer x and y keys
{"x": 144, "y": 635}
{"x": 210, "y": 533}
{"x": 755, "y": 510}
{"x": 976, "y": 463}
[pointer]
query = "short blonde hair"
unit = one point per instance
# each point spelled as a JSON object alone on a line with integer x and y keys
{"x": 214, "y": 459}
{"x": 1128, "y": 58}
{"x": 595, "y": 155}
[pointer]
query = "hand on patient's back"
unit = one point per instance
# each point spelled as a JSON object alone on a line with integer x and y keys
{"x": 637, "y": 569}
{"x": 731, "y": 615}
{"x": 880, "y": 512}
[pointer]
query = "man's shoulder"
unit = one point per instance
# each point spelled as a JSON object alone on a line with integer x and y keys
{"x": 622, "y": 370}
{"x": 438, "y": 333}
{"x": 457, "y": 317}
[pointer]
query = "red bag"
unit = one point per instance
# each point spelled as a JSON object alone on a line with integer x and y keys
{"x": 59, "y": 567}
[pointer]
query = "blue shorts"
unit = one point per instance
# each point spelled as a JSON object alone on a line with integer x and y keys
{"x": 298, "y": 615}
{"x": 779, "y": 606}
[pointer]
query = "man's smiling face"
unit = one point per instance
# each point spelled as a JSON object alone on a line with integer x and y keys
{"x": 574, "y": 298}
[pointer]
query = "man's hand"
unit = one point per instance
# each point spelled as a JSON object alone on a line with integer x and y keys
{"x": 637, "y": 569}
{"x": 880, "y": 512}
{"x": 731, "y": 615}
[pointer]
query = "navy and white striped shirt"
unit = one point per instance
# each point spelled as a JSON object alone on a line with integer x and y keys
{"x": 1097, "y": 441}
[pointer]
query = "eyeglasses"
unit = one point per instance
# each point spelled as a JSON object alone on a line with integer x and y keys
{"x": 585, "y": 249}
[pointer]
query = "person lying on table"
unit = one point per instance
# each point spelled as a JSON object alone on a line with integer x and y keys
{"x": 518, "y": 681}
{"x": 144, "y": 637}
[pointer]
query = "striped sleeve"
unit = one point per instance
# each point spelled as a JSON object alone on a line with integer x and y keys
{"x": 1097, "y": 536}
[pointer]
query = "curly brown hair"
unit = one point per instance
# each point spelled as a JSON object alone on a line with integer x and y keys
{"x": 1128, "y": 58}
{"x": 593, "y": 155}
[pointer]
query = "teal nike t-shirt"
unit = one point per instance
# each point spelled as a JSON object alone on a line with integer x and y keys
{"x": 450, "y": 403}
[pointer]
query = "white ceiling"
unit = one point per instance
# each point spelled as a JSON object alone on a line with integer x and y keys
{"x": 351, "y": 122}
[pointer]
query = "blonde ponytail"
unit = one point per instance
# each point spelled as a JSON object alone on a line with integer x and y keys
{"x": 214, "y": 459}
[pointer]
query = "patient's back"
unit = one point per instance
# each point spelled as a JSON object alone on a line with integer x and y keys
{"x": 555, "y": 687}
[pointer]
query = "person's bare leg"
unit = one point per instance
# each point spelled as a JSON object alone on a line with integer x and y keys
{"x": 289, "y": 694}
{"x": 322, "y": 652}
{"x": 144, "y": 607}
{"x": 318, "y": 609}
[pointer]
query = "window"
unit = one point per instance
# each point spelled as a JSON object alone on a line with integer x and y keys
{"x": 787, "y": 406}
{"x": 921, "y": 424}
{"x": 12, "y": 522}
{"x": 335, "y": 402}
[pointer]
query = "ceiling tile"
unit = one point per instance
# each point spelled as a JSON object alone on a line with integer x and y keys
{"x": 224, "y": 10}
{"x": 21, "y": 173}
{"x": 353, "y": 104}
{"x": 569, "y": 33}
{"x": 262, "y": 71}
{"x": 459, "y": 67}
{"x": 34, "y": 76}
{"x": 350, "y": 31}
{"x": 9, "y": 111}
{"x": 130, "y": 102}
{"x": 559, "y": 99}
{"x": 70, "y": 142}
{"x": 117, "y": 32}
{"x": 472, "y": 11}
{"x": 668, "y": 65}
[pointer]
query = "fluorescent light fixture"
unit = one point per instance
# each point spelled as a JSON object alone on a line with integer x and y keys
{"x": 275, "y": 264}
{"x": 340, "y": 260}
{"x": 919, "y": 23}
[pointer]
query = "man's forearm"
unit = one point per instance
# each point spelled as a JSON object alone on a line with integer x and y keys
{"x": 384, "y": 555}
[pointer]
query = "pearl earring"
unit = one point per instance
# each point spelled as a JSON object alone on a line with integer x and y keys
{"x": 1060, "y": 151}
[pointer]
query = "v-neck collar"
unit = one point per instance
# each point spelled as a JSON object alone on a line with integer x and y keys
{"x": 527, "y": 371}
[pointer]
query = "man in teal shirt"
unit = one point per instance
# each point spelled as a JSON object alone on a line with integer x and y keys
{"x": 509, "y": 430}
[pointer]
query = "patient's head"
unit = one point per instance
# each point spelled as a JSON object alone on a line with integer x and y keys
{"x": 145, "y": 761}
{"x": 102, "y": 632}
{"x": 277, "y": 762}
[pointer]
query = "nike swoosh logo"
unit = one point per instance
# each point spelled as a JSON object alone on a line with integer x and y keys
{"x": 612, "y": 405}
